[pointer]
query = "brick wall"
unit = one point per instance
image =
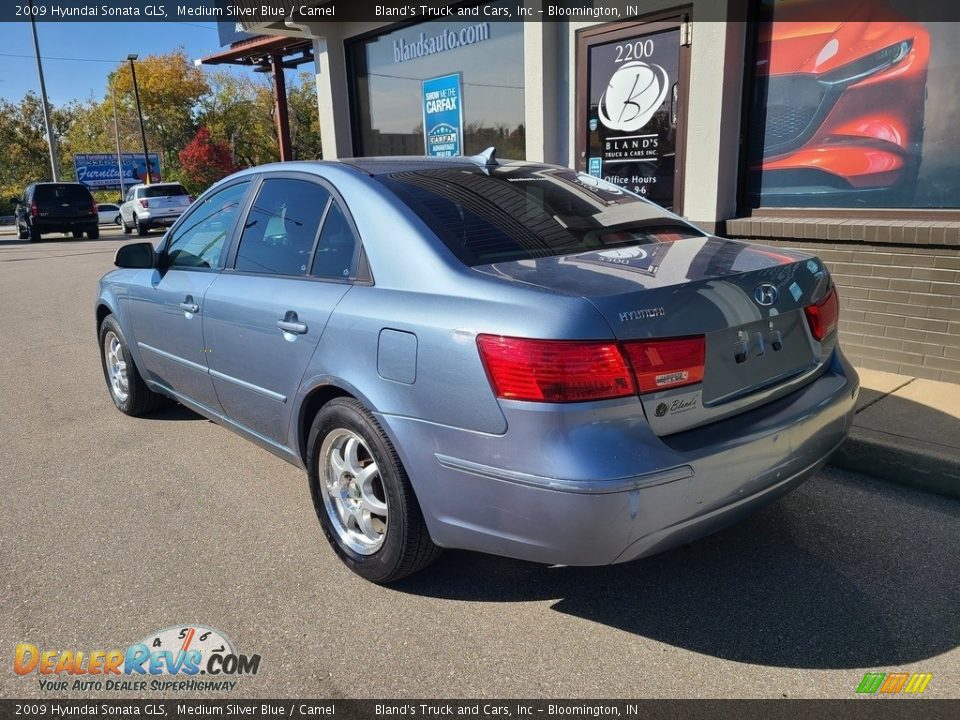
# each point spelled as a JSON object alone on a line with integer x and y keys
{"x": 899, "y": 305}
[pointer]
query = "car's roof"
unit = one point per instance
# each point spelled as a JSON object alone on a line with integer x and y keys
{"x": 412, "y": 163}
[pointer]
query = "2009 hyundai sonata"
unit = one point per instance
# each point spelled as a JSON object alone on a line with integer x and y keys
{"x": 499, "y": 356}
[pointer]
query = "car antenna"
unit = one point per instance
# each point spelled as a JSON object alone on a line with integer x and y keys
{"x": 488, "y": 158}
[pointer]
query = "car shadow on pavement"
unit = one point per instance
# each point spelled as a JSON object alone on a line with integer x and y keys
{"x": 845, "y": 572}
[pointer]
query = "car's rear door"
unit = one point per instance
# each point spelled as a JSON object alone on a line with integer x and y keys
{"x": 167, "y": 310}
{"x": 265, "y": 314}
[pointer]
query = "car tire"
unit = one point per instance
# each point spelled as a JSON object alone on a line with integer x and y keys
{"x": 22, "y": 234}
{"x": 118, "y": 220}
{"x": 141, "y": 228}
{"x": 127, "y": 389}
{"x": 93, "y": 233}
{"x": 396, "y": 542}
{"x": 126, "y": 228}
{"x": 33, "y": 234}
{"x": 77, "y": 234}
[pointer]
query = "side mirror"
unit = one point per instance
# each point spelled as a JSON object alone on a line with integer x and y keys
{"x": 136, "y": 255}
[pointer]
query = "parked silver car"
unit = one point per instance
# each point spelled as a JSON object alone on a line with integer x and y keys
{"x": 108, "y": 214}
{"x": 156, "y": 205}
{"x": 506, "y": 357}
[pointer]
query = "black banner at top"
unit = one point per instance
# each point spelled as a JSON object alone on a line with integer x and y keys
{"x": 252, "y": 14}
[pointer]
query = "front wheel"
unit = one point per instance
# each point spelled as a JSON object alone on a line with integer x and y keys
{"x": 127, "y": 389}
{"x": 363, "y": 497}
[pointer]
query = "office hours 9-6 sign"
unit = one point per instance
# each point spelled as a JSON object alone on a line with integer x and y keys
{"x": 632, "y": 112}
{"x": 443, "y": 116}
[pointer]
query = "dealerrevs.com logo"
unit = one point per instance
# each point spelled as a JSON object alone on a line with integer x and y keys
{"x": 185, "y": 657}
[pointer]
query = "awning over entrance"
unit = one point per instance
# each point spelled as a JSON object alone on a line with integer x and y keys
{"x": 271, "y": 54}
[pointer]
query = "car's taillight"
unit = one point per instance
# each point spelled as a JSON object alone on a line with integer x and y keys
{"x": 34, "y": 210}
{"x": 823, "y": 316}
{"x": 555, "y": 370}
{"x": 144, "y": 203}
{"x": 664, "y": 364}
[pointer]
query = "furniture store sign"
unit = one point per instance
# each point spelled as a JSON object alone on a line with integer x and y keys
{"x": 443, "y": 116}
{"x": 101, "y": 171}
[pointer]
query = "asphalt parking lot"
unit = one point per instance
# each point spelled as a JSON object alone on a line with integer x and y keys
{"x": 114, "y": 527}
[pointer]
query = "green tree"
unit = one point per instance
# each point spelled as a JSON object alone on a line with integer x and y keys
{"x": 238, "y": 111}
{"x": 170, "y": 90}
{"x": 304, "y": 119}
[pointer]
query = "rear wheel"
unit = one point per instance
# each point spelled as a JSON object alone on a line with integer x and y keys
{"x": 141, "y": 228}
{"x": 127, "y": 389}
{"x": 22, "y": 234}
{"x": 363, "y": 497}
{"x": 93, "y": 233}
{"x": 77, "y": 234}
{"x": 34, "y": 234}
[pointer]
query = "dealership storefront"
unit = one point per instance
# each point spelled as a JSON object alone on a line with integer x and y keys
{"x": 796, "y": 128}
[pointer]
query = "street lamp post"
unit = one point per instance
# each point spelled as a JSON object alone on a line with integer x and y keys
{"x": 143, "y": 133}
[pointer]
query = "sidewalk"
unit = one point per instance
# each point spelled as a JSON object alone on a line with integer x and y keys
{"x": 907, "y": 431}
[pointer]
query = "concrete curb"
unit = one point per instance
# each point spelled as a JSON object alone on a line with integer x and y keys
{"x": 900, "y": 460}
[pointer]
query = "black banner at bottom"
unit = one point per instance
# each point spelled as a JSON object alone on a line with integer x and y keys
{"x": 872, "y": 708}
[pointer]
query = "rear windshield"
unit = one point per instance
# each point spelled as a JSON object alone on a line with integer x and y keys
{"x": 530, "y": 212}
{"x": 163, "y": 190}
{"x": 66, "y": 192}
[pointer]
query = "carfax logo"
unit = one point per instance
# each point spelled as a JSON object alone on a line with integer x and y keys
{"x": 182, "y": 652}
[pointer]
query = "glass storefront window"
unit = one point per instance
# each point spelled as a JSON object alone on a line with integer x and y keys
{"x": 388, "y": 72}
{"x": 856, "y": 111}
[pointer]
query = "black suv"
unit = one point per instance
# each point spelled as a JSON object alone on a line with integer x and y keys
{"x": 49, "y": 207}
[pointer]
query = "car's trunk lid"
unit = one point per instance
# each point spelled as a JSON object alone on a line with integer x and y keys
{"x": 747, "y": 301}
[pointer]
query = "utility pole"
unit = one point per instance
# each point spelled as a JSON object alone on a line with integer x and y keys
{"x": 143, "y": 133}
{"x": 51, "y": 140}
{"x": 116, "y": 132}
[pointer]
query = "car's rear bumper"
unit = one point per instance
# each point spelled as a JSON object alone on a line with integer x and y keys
{"x": 644, "y": 495}
{"x": 67, "y": 224}
{"x": 154, "y": 218}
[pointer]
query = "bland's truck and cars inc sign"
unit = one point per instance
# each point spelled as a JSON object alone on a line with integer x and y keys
{"x": 101, "y": 171}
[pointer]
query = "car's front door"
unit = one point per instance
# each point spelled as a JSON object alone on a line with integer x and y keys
{"x": 167, "y": 311}
{"x": 266, "y": 312}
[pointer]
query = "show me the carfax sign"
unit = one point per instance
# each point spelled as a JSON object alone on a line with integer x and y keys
{"x": 443, "y": 116}
{"x": 101, "y": 171}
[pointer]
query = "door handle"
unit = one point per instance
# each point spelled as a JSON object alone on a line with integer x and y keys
{"x": 189, "y": 307}
{"x": 291, "y": 324}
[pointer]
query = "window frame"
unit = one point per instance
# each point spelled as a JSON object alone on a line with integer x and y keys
{"x": 243, "y": 207}
{"x": 361, "y": 274}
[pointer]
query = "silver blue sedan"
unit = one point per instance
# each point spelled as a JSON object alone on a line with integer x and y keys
{"x": 507, "y": 357}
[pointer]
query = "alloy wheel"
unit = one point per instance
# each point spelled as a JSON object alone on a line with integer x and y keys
{"x": 116, "y": 366}
{"x": 353, "y": 492}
